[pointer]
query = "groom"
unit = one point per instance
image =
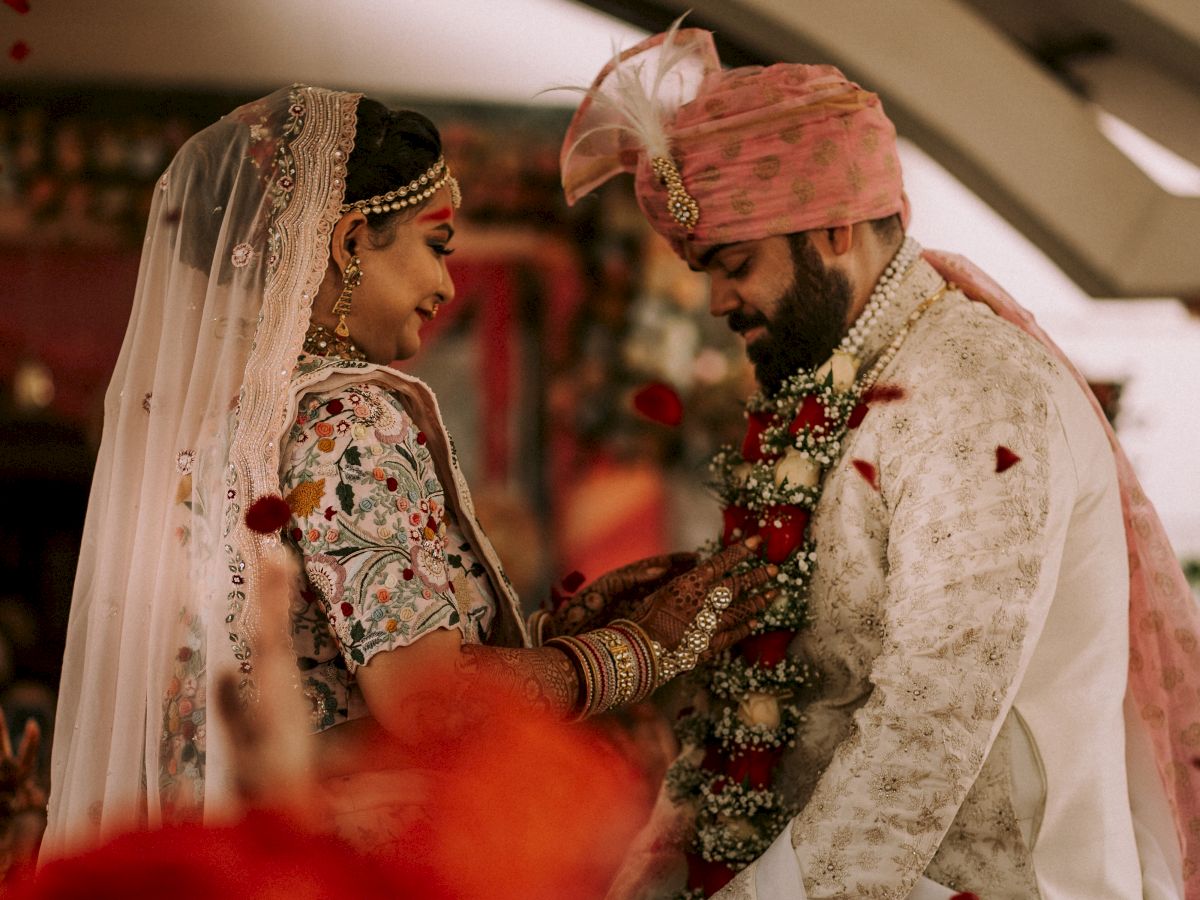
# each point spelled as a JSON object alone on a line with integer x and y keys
{"x": 945, "y": 700}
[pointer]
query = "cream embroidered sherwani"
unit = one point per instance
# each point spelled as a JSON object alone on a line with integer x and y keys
{"x": 970, "y": 628}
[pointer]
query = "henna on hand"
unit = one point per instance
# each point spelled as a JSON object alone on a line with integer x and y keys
{"x": 667, "y": 614}
{"x": 737, "y": 622}
{"x": 543, "y": 676}
{"x": 618, "y": 594}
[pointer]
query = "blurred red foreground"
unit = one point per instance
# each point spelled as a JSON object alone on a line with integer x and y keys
{"x": 512, "y": 805}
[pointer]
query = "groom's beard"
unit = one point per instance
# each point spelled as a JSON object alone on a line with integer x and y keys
{"x": 810, "y": 319}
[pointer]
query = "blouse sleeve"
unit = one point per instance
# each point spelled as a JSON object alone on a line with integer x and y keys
{"x": 369, "y": 518}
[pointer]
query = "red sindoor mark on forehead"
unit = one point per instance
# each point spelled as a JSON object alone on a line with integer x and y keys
{"x": 438, "y": 215}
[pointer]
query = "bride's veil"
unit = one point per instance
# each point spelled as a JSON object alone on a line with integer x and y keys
{"x": 166, "y": 594}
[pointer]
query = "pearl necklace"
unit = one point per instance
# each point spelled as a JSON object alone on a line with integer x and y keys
{"x": 881, "y": 298}
{"x": 868, "y": 381}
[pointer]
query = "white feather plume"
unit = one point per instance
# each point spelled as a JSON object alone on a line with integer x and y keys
{"x": 640, "y": 106}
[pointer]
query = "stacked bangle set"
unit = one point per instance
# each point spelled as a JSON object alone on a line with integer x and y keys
{"x": 619, "y": 664}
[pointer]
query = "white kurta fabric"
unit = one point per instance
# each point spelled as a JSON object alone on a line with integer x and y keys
{"x": 971, "y": 632}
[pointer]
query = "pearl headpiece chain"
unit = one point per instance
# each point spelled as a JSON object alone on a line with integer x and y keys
{"x": 414, "y": 193}
{"x": 881, "y": 298}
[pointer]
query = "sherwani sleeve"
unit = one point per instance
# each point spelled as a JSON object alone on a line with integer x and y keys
{"x": 972, "y": 560}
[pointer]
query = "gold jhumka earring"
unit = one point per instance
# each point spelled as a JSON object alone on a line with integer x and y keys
{"x": 351, "y": 278}
{"x": 317, "y": 339}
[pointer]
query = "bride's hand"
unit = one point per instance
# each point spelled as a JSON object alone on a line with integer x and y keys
{"x": 617, "y": 594}
{"x": 667, "y": 613}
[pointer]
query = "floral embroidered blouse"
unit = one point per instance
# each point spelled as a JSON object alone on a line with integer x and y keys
{"x": 385, "y": 560}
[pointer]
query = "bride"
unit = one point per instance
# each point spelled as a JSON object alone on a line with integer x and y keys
{"x": 295, "y": 248}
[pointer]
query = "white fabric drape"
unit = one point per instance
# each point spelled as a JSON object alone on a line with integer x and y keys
{"x": 165, "y": 595}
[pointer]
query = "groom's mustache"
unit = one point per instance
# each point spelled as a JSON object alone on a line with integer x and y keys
{"x": 741, "y": 322}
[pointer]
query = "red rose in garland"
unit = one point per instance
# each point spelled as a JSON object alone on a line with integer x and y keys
{"x": 812, "y": 415}
{"x": 754, "y": 766}
{"x": 714, "y": 761}
{"x": 857, "y": 416}
{"x": 740, "y": 523}
{"x": 707, "y": 876}
{"x": 783, "y": 532}
{"x": 768, "y": 648}
{"x": 756, "y": 424}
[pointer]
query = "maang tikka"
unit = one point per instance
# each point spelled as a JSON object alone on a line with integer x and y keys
{"x": 351, "y": 278}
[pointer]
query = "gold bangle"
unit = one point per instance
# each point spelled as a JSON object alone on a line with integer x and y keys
{"x": 646, "y": 679}
{"x": 594, "y": 645}
{"x": 623, "y": 663}
{"x": 536, "y": 626}
{"x": 587, "y": 687}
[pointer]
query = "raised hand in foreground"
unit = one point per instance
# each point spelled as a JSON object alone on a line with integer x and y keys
{"x": 22, "y": 799}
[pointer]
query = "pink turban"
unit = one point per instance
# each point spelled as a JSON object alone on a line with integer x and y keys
{"x": 761, "y": 151}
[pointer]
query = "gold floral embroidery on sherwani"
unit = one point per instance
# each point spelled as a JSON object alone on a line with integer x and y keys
{"x": 924, "y": 606}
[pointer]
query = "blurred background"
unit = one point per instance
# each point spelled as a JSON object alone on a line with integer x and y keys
{"x": 1056, "y": 142}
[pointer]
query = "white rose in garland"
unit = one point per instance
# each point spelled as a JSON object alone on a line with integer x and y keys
{"x": 759, "y": 709}
{"x": 797, "y": 469}
{"x": 843, "y": 367}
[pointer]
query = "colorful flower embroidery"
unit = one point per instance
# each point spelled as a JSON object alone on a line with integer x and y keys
{"x": 306, "y": 497}
{"x": 182, "y": 740}
{"x": 385, "y": 560}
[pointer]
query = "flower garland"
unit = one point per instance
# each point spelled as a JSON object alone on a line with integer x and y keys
{"x": 747, "y": 710}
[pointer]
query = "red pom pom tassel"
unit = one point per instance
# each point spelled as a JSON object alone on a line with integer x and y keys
{"x": 268, "y": 514}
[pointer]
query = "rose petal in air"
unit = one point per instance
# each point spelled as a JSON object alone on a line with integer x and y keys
{"x": 573, "y": 581}
{"x": 18, "y": 51}
{"x": 565, "y": 589}
{"x": 1005, "y": 459}
{"x": 21, "y": 6}
{"x": 867, "y": 471}
{"x": 659, "y": 403}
